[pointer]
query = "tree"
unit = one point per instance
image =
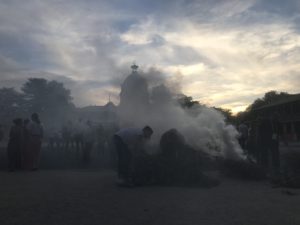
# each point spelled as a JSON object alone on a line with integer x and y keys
{"x": 268, "y": 98}
{"x": 187, "y": 101}
{"x": 44, "y": 95}
{"x": 227, "y": 113}
{"x": 12, "y": 104}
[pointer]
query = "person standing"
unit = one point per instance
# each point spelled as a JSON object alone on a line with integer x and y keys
{"x": 36, "y": 133}
{"x": 14, "y": 147}
{"x": 128, "y": 142}
{"x": 88, "y": 142}
{"x": 275, "y": 154}
{"x": 243, "y": 135}
{"x": 26, "y": 147}
{"x": 264, "y": 141}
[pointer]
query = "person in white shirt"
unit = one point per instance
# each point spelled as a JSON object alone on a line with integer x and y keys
{"x": 128, "y": 142}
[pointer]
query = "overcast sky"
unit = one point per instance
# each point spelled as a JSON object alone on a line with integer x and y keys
{"x": 222, "y": 52}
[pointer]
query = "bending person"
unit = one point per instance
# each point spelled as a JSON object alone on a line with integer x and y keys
{"x": 128, "y": 142}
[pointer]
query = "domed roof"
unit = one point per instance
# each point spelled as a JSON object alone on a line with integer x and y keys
{"x": 134, "y": 90}
{"x": 110, "y": 106}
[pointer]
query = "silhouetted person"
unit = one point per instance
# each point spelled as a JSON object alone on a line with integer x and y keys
{"x": 67, "y": 133}
{"x": 128, "y": 142}
{"x": 88, "y": 143}
{"x": 243, "y": 135}
{"x": 252, "y": 146}
{"x": 264, "y": 140}
{"x": 14, "y": 148}
{"x": 275, "y": 155}
{"x": 26, "y": 146}
{"x": 79, "y": 136}
{"x": 36, "y": 133}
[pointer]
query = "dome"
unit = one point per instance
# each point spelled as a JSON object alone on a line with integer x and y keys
{"x": 134, "y": 91}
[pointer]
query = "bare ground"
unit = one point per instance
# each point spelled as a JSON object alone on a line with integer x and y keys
{"x": 91, "y": 197}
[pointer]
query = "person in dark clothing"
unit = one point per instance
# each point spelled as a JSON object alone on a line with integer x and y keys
{"x": 14, "y": 148}
{"x": 269, "y": 131}
{"x": 264, "y": 140}
{"x": 243, "y": 135}
{"x": 275, "y": 155}
{"x": 26, "y": 147}
{"x": 128, "y": 143}
{"x": 88, "y": 143}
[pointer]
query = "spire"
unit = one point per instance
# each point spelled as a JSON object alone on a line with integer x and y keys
{"x": 134, "y": 67}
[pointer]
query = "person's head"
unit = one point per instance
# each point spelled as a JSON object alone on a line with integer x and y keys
{"x": 147, "y": 131}
{"x": 35, "y": 117}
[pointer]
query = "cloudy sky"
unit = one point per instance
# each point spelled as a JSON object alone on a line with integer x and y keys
{"x": 222, "y": 52}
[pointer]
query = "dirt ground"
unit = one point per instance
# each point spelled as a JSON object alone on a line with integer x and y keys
{"x": 91, "y": 197}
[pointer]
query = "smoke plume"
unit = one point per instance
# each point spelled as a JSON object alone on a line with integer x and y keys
{"x": 204, "y": 128}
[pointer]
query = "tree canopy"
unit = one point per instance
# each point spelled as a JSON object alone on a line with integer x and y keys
{"x": 48, "y": 98}
{"x": 12, "y": 104}
{"x": 268, "y": 98}
{"x": 187, "y": 101}
{"x": 46, "y": 95}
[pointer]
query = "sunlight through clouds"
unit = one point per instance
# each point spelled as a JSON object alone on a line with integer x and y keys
{"x": 219, "y": 48}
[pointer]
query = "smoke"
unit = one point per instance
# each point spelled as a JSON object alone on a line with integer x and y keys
{"x": 204, "y": 128}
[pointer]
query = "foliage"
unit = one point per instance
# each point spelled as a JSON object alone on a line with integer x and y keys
{"x": 227, "y": 113}
{"x": 269, "y": 98}
{"x": 46, "y": 95}
{"x": 187, "y": 101}
{"x": 48, "y": 98}
{"x": 12, "y": 104}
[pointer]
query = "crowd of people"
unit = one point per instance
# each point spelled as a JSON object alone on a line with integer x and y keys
{"x": 259, "y": 139}
{"x": 81, "y": 137}
{"x": 24, "y": 145}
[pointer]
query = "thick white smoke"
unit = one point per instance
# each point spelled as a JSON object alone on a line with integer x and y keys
{"x": 203, "y": 128}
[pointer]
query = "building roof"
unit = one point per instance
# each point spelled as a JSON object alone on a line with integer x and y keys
{"x": 291, "y": 98}
{"x": 108, "y": 106}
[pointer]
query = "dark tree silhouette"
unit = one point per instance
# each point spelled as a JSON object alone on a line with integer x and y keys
{"x": 12, "y": 104}
{"x": 227, "y": 113}
{"x": 43, "y": 95}
{"x": 187, "y": 101}
{"x": 269, "y": 98}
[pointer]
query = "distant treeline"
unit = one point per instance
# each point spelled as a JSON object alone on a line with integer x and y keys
{"x": 52, "y": 100}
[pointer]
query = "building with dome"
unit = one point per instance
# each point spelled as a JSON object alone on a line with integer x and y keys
{"x": 134, "y": 97}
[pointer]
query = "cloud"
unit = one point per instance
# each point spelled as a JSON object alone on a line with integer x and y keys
{"x": 214, "y": 49}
